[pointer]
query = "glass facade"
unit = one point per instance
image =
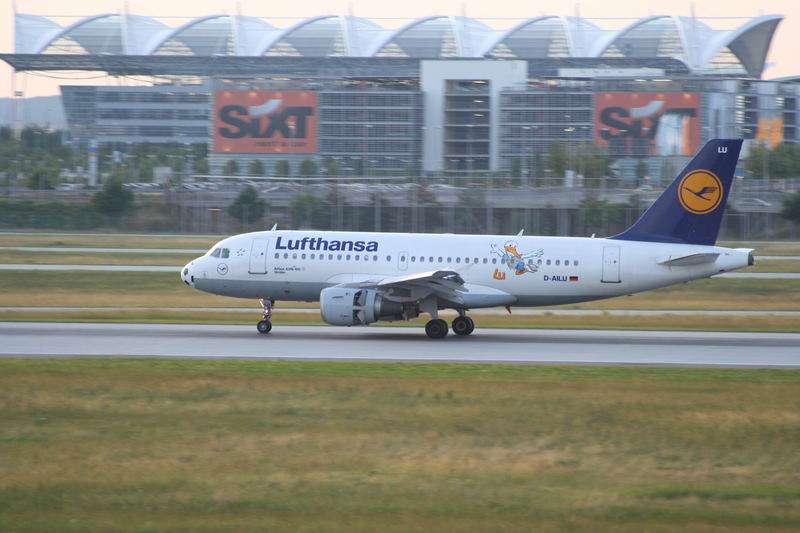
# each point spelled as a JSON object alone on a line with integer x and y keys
{"x": 533, "y": 119}
{"x": 371, "y": 132}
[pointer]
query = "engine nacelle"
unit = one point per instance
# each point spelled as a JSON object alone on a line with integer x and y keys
{"x": 342, "y": 306}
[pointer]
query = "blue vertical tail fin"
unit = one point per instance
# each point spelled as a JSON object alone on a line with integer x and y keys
{"x": 690, "y": 210}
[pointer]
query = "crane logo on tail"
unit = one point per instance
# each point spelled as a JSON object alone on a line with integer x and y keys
{"x": 700, "y": 192}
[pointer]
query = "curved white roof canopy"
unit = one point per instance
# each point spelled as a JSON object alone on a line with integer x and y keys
{"x": 33, "y": 33}
{"x": 547, "y": 36}
{"x": 749, "y": 44}
{"x": 217, "y": 35}
{"x": 706, "y": 50}
{"x": 107, "y": 34}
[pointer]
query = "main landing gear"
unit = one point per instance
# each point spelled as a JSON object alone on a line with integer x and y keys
{"x": 265, "y": 326}
{"x": 437, "y": 328}
{"x": 463, "y": 325}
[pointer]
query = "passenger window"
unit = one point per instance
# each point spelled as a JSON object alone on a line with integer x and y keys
{"x": 374, "y": 257}
{"x": 357, "y": 257}
{"x": 494, "y": 260}
{"x": 277, "y": 255}
{"x": 548, "y": 262}
{"x": 485, "y": 260}
{"x": 449, "y": 260}
{"x": 566, "y": 263}
{"x": 422, "y": 259}
{"x": 215, "y": 253}
{"x": 303, "y": 256}
{"x": 440, "y": 259}
{"x": 294, "y": 256}
{"x": 430, "y": 259}
{"x": 458, "y": 259}
{"x": 558, "y": 262}
{"x": 286, "y": 256}
{"x": 413, "y": 258}
{"x": 339, "y": 257}
{"x": 348, "y": 257}
{"x": 575, "y": 263}
{"x": 312, "y": 256}
{"x": 539, "y": 262}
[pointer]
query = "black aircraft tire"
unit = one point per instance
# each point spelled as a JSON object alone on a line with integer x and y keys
{"x": 265, "y": 326}
{"x": 471, "y": 325}
{"x": 462, "y": 325}
{"x": 436, "y": 328}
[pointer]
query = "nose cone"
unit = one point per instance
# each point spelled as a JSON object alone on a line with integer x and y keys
{"x": 186, "y": 274}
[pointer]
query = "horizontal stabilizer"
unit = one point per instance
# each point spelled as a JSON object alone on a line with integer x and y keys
{"x": 691, "y": 259}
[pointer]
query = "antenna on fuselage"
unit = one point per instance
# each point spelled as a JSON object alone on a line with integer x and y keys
{"x": 521, "y": 232}
{"x": 274, "y": 227}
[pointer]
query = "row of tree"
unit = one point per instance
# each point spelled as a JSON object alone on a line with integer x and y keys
{"x": 38, "y": 154}
{"x": 308, "y": 168}
{"x": 307, "y": 210}
{"x": 782, "y": 161}
{"x": 41, "y": 155}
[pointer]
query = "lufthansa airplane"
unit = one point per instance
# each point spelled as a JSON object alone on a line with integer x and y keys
{"x": 360, "y": 278}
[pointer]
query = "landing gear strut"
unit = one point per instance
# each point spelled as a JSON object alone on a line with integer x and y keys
{"x": 265, "y": 326}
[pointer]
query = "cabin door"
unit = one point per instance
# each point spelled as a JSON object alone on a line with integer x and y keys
{"x": 258, "y": 256}
{"x": 611, "y": 265}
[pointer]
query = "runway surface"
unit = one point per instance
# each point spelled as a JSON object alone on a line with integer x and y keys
{"x": 401, "y": 344}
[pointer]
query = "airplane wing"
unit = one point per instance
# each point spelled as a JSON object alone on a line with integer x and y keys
{"x": 444, "y": 284}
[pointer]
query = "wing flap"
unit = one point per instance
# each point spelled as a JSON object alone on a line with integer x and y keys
{"x": 444, "y": 284}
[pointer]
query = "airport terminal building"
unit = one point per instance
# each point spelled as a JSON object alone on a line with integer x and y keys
{"x": 436, "y": 96}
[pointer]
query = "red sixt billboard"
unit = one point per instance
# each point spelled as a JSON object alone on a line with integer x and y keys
{"x": 271, "y": 122}
{"x": 648, "y": 123}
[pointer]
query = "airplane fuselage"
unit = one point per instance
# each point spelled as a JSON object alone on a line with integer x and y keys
{"x": 360, "y": 278}
{"x": 497, "y": 270}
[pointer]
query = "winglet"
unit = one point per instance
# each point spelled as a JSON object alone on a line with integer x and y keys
{"x": 690, "y": 210}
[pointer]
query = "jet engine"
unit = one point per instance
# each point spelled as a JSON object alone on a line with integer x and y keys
{"x": 343, "y": 306}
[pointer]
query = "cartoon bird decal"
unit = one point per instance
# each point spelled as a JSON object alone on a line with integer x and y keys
{"x": 519, "y": 263}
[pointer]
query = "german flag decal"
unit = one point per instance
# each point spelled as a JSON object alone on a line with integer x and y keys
{"x": 573, "y": 278}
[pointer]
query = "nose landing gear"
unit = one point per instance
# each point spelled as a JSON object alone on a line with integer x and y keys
{"x": 265, "y": 326}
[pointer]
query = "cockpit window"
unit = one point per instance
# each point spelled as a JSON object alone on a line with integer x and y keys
{"x": 216, "y": 252}
{"x": 226, "y": 253}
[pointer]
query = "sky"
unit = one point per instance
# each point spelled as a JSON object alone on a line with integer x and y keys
{"x": 782, "y": 60}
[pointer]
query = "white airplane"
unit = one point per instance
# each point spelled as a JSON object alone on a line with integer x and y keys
{"x": 360, "y": 278}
